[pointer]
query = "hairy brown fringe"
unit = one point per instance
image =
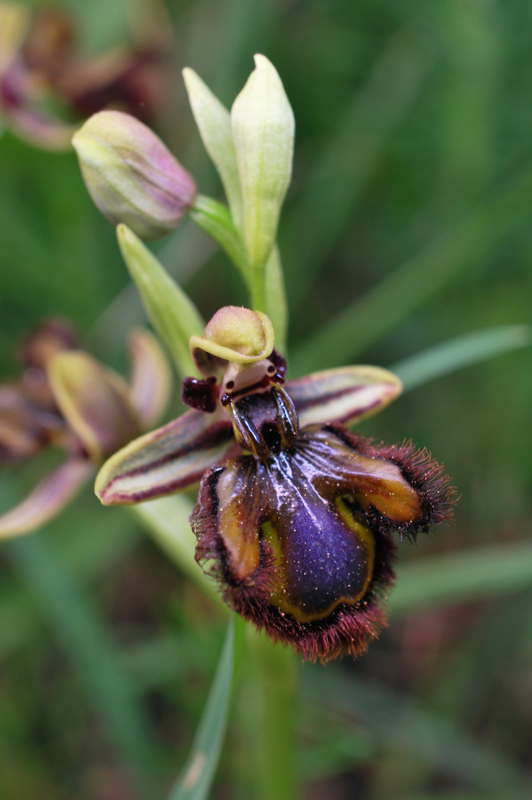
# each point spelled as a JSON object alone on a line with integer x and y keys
{"x": 346, "y": 631}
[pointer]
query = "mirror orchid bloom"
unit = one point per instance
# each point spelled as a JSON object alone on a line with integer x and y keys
{"x": 295, "y": 515}
{"x": 68, "y": 400}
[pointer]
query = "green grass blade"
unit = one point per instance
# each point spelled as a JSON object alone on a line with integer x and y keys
{"x": 371, "y": 318}
{"x": 450, "y": 579}
{"x": 85, "y": 558}
{"x": 88, "y": 644}
{"x": 343, "y": 171}
{"x": 202, "y": 762}
{"x": 464, "y": 351}
{"x": 433, "y": 738}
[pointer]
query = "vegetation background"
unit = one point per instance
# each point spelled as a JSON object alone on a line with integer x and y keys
{"x": 408, "y": 224}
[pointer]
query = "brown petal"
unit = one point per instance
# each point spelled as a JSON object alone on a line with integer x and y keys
{"x": 94, "y": 401}
{"x": 25, "y": 117}
{"x": 302, "y": 542}
{"x": 150, "y": 380}
{"x": 25, "y": 426}
{"x": 50, "y": 337}
{"x": 47, "y": 499}
{"x": 167, "y": 460}
{"x": 347, "y": 395}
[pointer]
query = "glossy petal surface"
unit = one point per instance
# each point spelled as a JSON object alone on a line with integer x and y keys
{"x": 347, "y": 395}
{"x": 302, "y": 541}
{"x": 166, "y": 460}
{"x": 47, "y": 499}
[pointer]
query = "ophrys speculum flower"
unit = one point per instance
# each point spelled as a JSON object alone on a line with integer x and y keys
{"x": 295, "y": 515}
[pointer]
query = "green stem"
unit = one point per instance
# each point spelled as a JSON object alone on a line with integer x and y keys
{"x": 257, "y": 288}
{"x": 276, "y": 675}
{"x": 215, "y": 220}
{"x": 276, "y": 305}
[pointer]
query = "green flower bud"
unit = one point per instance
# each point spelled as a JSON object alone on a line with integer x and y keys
{"x": 236, "y": 335}
{"x": 131, "y": 176}
{"x": 263, "y": 135}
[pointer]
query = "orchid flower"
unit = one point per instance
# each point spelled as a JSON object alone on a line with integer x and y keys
{"x": 295, "y": 515}
{"x": 69, "y": 400}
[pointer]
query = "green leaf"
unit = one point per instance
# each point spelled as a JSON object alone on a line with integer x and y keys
{"x": 215, "y": 219}
{"x": 88, "y": 644}
{"x": 451, "y": 579}
{"x": 171, "y": 311}
{"x": 368, "y": 320}
{"x": 464, "y": 351}
{"x": 405, "y": 725}
{"x": 202, "y": 762}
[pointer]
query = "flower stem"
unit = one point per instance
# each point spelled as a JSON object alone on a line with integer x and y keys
{"x": 276, "y": 674}
{"x": 257, "y": 288}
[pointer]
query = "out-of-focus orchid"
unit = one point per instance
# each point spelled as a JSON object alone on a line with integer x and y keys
{"x": 40, "y": 62}
{"x": 295, "y": 514}
{"x": 69, "y": 400}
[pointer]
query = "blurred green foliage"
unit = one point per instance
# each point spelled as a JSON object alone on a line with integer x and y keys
{"x": 408, "y": 223}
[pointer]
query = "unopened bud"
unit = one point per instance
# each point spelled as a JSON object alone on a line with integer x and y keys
{"x": 131, "y": 175}
{"x": 234, "y": 334}
{"x": 263, "y": 134}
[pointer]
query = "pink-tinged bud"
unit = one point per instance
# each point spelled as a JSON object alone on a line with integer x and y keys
{"x": 131, "y": 175}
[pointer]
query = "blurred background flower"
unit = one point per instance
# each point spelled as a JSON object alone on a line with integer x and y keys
{"x": 47, "y": 81}
{"x": 66, "y": 399}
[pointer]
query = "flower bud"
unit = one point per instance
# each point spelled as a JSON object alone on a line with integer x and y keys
{"x": 234, "y": 334}
{"x": 131, "y": 176}
{"x": 263, "y": 133}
